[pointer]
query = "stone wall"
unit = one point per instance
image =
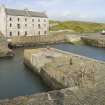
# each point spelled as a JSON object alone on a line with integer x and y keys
{"x": 74, "y": 71}
{"x": 70, "y": 70}
{"x": 4, "y": 50}
{"x": 73, "y": 38}
{"x": 34, "y": 40}
{"x": 94, "y": 40}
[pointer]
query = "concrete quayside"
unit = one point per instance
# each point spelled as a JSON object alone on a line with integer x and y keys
{"x": 67, "y": 69}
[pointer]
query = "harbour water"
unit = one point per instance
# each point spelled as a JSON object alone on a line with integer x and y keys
{"x": 17, "y": 80}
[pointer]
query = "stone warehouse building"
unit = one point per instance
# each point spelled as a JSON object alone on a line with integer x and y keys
{"x": 23, "y": 22}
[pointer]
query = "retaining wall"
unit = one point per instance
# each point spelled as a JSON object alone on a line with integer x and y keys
{"x": 34, "y": 40}
{"x": 97, "y": 41}
{"x": 70, "y": 70}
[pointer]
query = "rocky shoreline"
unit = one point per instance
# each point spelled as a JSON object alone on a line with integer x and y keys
{"x": 5, "y": 52}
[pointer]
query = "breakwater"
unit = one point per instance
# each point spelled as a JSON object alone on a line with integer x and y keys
{"x": 62, "y": 69}
{"x": 94, "y": 40}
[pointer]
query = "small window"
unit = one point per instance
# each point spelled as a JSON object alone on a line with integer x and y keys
{"x": 10, "y": 33}
{"x": 32, "y": 20}
{"x": 45, "y": 32}
{"x": 33, "y": 25}
{"x": 44, "y": 20}
{"x": 10, "y": 25}
{"x": 18, "y": 26}
{"x": 25, "y": 33}
{"x": 38, "y": 20}
{"x": 44, "y": 25}
{"x": 39, "y": 26}
{"x": 25, "y": 19}
{"x": 18, "y": 19}
{"x": 10, "y": 19}
{"x": 18, "y": 33}
{"x": 39, "y": 32}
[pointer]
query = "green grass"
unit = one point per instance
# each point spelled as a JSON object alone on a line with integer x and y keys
{"x": 78, "y": 26}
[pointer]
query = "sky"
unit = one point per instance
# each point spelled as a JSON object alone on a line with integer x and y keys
{"x": 82, "y": 10}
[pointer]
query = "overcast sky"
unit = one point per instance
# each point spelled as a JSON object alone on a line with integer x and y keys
{"x": 84, "y": 10}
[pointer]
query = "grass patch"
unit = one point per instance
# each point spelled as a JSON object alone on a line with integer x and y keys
{"x": 77, "y": 26}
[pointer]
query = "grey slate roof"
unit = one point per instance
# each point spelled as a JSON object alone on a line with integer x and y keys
{"x": 16, "y": 12}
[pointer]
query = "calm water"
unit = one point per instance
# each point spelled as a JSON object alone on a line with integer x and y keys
{"x": 91, "y": 52}
{"x": 17, "y": 80}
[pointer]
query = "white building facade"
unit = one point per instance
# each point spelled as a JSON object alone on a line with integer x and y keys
{"x": 23, "y": 22}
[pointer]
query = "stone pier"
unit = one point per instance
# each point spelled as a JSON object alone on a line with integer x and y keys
{"x": 94, "y": 40}
{"x": 61, "y": 69}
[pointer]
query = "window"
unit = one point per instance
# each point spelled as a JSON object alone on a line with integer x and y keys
{"x": 10, "y": 25}
{"x": 10, "y": 19}
{"x": 18, "y": 19}
{"x": 39, "y": 26}
{"x": 25, "y": 33}
{"x": 39, "y": 32}
{"x": 44, "y": 25}
{"x": 32, "y": 20}
{"x": 18, "y": 26}
{"x": 38, "y": 20}
{"x": 18, "y": 33}
{"x": 44, "y": 20}
{"x": 45, "y": 32}
{"x": 25, "y": 19}
{"x": 10, "y": 33}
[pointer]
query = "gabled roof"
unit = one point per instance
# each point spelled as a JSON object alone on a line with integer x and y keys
{"x": 16, "y": 12}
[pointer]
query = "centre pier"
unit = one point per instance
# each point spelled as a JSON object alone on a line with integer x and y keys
{"x": 60, "y": 69}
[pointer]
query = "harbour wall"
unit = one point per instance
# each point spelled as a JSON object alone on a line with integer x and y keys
{"x": 43, "y": 39}
{"x": 35, "y": 40}
{"x": 67, "y": 70}
{"x": 94, "y": 40}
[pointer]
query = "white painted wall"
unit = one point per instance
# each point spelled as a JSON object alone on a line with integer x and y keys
{"x": 3, "y": 20}
{"x": 31, "y": 28}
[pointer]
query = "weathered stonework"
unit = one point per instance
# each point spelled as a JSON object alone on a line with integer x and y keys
{"x": 36, "y": 40}
{"x": 94, "y": 40}
{"x": 65, "y": 70}
{"x": 4, "y": 50}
